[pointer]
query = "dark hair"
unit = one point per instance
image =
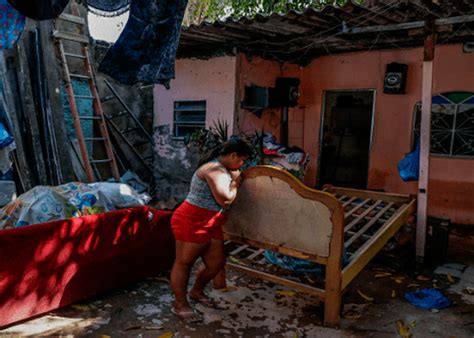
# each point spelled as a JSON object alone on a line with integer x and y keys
{"x": 235, "y": 144}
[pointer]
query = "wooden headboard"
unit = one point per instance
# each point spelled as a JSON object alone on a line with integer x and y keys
{"x": 275, "y": 208}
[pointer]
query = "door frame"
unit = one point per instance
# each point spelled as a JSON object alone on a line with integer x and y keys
{"x": 321, "y": 125}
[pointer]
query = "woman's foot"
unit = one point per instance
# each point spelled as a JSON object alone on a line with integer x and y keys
{"x": 186, "y": 313}
{"x": 202, "y": 298}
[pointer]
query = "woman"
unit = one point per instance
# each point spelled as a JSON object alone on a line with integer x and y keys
{"x": 197, "y": 225}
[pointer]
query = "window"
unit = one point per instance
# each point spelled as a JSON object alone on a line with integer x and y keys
{"x": 452, "y": 124}
{"x": 189, "y": 116}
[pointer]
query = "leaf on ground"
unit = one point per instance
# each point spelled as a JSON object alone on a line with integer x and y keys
{"x": 366, "y": 297}
{"x": 469, "y": 290}
{"x": 351, "y": 314}
{"x": 81, "y": 307}
{"x": 451, "y": 279}
{"x": 161, "y": 279}
{"x": 423, "y": 278}
{"x": 233, "y": 259}
{"x": 229, "y": 288}
{"x": 413, "y": 285}
{"x": 285, "y": 293}
{"x": 168, "y": 334}
{"x": 382, "y": 274}
{"x": 403, "y": 330}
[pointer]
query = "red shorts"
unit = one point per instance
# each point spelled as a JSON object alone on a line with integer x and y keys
{"x": 197, "y": 225}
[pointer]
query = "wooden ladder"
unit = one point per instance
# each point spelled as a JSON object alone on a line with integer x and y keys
{"x": 98, "y": 116}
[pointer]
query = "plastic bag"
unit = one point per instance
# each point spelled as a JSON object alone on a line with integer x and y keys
{"x": 5, "y": 138}
{"x": 428, "y": 298}
{"x": 409, "y": 166}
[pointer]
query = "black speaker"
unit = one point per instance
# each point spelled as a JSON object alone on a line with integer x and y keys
{"x": 286, "y": 92}
{"x": 395, "y": 78}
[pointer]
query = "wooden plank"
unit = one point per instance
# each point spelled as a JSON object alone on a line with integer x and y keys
{"x": 52, "y": 78}
{"x": 361, "y": 216}
{"x": 239, "y": 249}
{"x": 255, "y": 254}
{"x": 70, "y": 37}
{"x": 72, "y": 18}
{"x": 278, "y": 280}
{"x": 349, "y": 201}
{"x": 409, "y": 25}
{"x": 375, "y": 195}
{"x": 366, "y": 252}
{"x": 366, "y": 227}
{"x": 425, "y": 145}
{"x": 11, "y": 110}
{"x": 357, "y": 207}
{"x": 280, "y": 249}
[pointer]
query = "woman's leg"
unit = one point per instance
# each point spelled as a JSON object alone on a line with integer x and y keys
{"x": 214, "y": 261}
{"x": 219, "y": 282}
{"x": 186, "y": 255}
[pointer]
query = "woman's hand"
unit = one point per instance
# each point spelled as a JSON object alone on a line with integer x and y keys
{"x": 236, "y": 177}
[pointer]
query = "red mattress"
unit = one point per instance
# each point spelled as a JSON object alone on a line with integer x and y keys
{"x": 47, "y": 266}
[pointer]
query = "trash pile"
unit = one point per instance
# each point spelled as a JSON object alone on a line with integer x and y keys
{"x": 45, "y": 203}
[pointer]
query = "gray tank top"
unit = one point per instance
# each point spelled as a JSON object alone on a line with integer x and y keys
{"x": 200, "y": 194}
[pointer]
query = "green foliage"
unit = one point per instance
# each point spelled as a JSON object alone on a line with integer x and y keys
{"x": 212, "y": 10}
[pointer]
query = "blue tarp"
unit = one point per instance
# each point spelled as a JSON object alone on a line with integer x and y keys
{"x": 428, "y": 298}
{"x": 146, "y": 50}
{"x": 12, "y": 24}
{"x": 409, "y": 166}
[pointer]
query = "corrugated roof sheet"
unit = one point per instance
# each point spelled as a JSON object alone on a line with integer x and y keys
{"x": 301, "y": 36}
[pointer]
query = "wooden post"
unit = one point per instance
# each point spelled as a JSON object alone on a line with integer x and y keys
{"x": 425, "y": 142}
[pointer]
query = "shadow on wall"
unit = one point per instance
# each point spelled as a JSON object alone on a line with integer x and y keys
{"x": 174, "y": 165}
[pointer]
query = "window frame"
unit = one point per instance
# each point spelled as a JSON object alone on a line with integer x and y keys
{"x": 456, "y": 108}
{"x": 201, "y": 124}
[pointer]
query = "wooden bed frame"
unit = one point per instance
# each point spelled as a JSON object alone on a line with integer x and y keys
{"x": 275, "y": 211}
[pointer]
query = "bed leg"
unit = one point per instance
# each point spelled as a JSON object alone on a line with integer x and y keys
{"x": 332, "y": 302}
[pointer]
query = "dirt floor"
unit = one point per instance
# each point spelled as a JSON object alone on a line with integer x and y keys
{"x": 374, "y": 306}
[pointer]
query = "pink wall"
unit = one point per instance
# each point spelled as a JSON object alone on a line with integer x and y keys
{"x": 200, "y": 80}
{"x": 452, "y": 180}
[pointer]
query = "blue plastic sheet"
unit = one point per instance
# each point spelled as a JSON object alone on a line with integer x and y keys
{"x": 298, "y": 265}
{"x": 409, "y": 166}
{"x": 5, "y": 138}
{"x": 12, "y": 24}
{"x": 428, "y": 298}
{"x": 146, "y": 50}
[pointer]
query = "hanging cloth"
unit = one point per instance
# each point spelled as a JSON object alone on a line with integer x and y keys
{"x": 12, "y": 24}
{"x": 108, "y": 8}
{"x": 39, "y": 9}
{"x": 146, "y": 50}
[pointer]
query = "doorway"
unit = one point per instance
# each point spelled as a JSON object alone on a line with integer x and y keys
{"x": 346, "y": 135}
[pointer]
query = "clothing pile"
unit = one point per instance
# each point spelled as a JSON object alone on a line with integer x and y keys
{"x": 45, "y": 204}
{"x": 292, "y": 159}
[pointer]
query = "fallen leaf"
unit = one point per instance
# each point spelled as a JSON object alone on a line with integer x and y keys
{"x": 435, "y": 286}
{"x": 363, "y": 295}
{"x": 423, "y": 278}
{"x": 229, "y": 288}
{"x": 394, "y": 294}
{"x": 382, "y": 274}
{"x": 105, "y": 336}
{"x": 285, "y": 293}
{"x": 233, "y": 259}
{"x": 451, "y": 279}
{"x": 413, "y": 285}
{"x": 469, "y": 290}
{"x": 403, "y": 331}
{"x": 162, "y": 279}
{"x": 413, "y": 323}
{"x": 81, "y": 307}
{"x": 149, "y": 328}
{"x": 351, "y": 314}
{"x": 166, "y": 335}
{"x": 398, "y": 280}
